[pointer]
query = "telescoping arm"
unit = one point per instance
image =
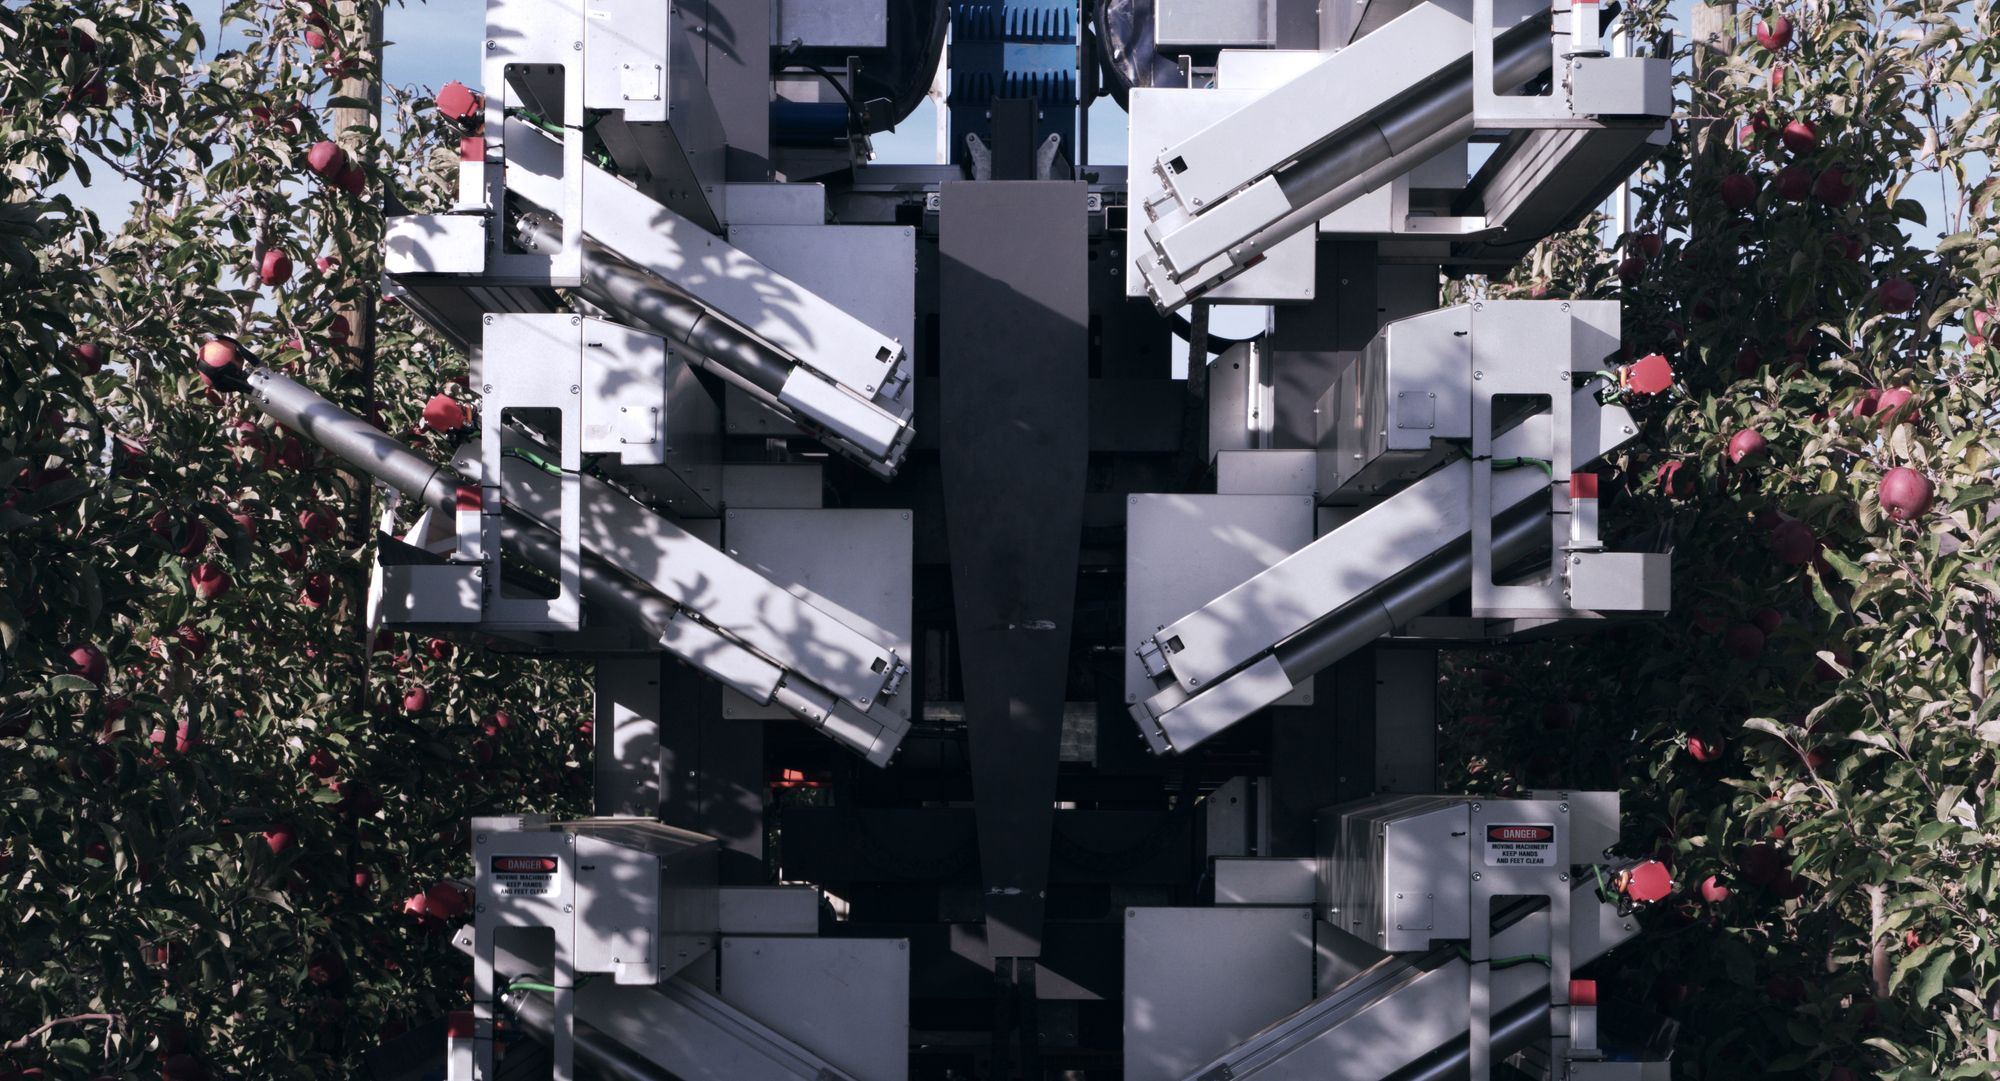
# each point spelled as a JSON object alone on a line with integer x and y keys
{"x": 867, "y": 673}
{"x": 1394, "y": 99}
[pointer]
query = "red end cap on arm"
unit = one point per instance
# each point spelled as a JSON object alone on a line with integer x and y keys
{"x": 1583, "y": 992}
{"x": 1650, "y": 374}
{"x": 1649, "y": 882}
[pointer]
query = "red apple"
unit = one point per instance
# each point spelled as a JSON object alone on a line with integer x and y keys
{"x": 1905, "y": 494}
{"x": 1892, "y": 402}
{"x": 318, "y": 524}
{"x": 1704, "y": 750}
{"x": 363, "y": 879}
{"x": 327, "y": 161}
{"x": 417, "y": 699}
{"x": 218, "y": 352}
{"x": 1738, "y": 191}
{"x": 353, "y": 180}
{"x": 1897, "y": 295}
{"x": 1761, "y": 864}
{"x": 1867, "y": 404}
{"x": 190, "y": 642}
{"x": 1799, "y": 137}
{"x": 322, "y": 763}
{"x": 1794, "y": 542}
{"x": 1816, "y": 760}
{"x": 209, "y": 581}
{"x": 1630, "y": 268}
{"x": 247, "y": 523}
{"x": 1747, "y": 362}
{"x": 1744, "y": 642}
{"x": 1747, "y": 445}
{"x": 279, "y": 839}
{"x": 1768, "y": 620}
{"x": 317, "y": 589}
{"x": 89, "y": 357}
{"x": 88, "y": 661}
{"x": 1832, "y": 187}
{"x": 1794, "y": 183}
{"x": 1676, "y": 482}
{"x": 274, "y": 267}
{"x": 1776, "y": 33}
{"x": 417, "y": 904}
{"x": 325, "y": 967}
{"x": 1713, "y": 891}
{"x": 443, "y": 414}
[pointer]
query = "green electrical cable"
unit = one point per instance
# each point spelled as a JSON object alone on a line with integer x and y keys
{"x": 1515, "y": 463}
{"x": 533, "y": 459}
{"x": 1508, "y": 962}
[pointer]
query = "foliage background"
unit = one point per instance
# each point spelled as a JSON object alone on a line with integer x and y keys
{"x": 144, "y": 862}
{"x": 1851, "y": 814}
{"x": 1840, "y": 660}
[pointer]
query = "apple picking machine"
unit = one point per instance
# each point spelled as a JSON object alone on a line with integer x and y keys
{"x": 1015, "y": 584}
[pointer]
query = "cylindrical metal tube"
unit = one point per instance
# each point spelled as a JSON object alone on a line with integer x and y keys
{"x": 1514, "y": 1028}
{"x": 374, "y": 452}
{"x": 632, "y": 293}
{"x": 1316, "y": 648}
{"x": 352, "y": 439}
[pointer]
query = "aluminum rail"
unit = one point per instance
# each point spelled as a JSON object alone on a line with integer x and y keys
{"x": 610, "y": 592}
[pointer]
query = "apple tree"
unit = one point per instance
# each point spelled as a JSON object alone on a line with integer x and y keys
{"x": 232, "y": 822}
{"x": 1807, "y": 740}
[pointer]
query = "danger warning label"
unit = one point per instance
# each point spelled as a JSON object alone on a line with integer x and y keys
{"x": 1520, "y": 845}
{"x": 525, "y": 876}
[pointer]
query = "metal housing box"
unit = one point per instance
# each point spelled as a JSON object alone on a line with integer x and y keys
{"x": 644, "y": 403}
{"x": 432, "y": 593}
{"x": 1395, "y": 412}
{"x": 846, "y": 998}
{"x": 1394, "y": 872}
{"x": 831, "y": 24}
{"x": 1200, "y": 980}
{"x": 1216, "y": 22}
{"x": 625, "y": 896}
{"x": 435, "y": 244}
{"x": 1270, "y": 881}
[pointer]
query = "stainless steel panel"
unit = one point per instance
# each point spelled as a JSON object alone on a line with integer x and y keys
{"x": 768, "y": 910}
{"x": 752, "y": 485}
{"x": 1216, "y": 22}
{"x": 1622, "y": 86}
{"x": 1200, "y": 980}
{"x": 1271, "y": 881}
{"x": 1266, "y": 472}
{"x": 832, "y": 24}
{"x": 854, "y": 565}
{"x": 777, "y": 204}
{"x": 848, "y": 998}
{"x": 1621, "y": 581}
{"x": 435, "y": 244}
{"x": 868, "y": 271}
{"x": 1183, "y": 551}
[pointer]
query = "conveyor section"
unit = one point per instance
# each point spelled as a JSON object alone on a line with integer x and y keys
{"x": 1254, "y": 644}
{"x": 689, "y": 598}
{"x": 1398, "y": 1019}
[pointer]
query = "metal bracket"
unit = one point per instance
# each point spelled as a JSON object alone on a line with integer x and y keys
{"x": 1521, "y": 350}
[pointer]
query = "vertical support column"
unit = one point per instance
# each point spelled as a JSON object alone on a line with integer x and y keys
{"x": 711, "y": 773}
{"x": 1013, "y": 420}
{"x": 735, "y": 52}
{"x": 627, "y": 751}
